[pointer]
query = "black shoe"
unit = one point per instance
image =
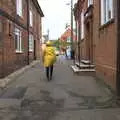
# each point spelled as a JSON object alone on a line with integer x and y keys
{"x": 50, "y": 77}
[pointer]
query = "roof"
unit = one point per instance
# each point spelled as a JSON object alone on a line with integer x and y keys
{"x": 67, "y": 34}
{"x": 35, "y": 2}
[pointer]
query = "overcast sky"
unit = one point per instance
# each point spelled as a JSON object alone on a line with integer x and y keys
{"x": 56, "y": 15}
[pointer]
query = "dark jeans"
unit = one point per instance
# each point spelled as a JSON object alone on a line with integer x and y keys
{"x": 49, "y": 72}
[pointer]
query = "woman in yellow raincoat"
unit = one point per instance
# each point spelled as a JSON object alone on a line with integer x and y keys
{"x": 49, "y": 58}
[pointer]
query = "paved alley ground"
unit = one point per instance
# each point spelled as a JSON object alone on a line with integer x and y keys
{"x": 68, "y": 96}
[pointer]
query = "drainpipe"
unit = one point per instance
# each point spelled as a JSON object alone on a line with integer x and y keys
{"x": 72, "y": 49}
{"x": 28, "y": 24}
{"x": 76, "y": 42}
{"x": 79, "y": 36}
{"x": 3, "y": 60}
{"x": 118, "y": 48}
{"x": 79, "y": 42}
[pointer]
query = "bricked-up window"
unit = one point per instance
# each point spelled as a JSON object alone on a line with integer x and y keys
{"x": 18, "y": 42}
{"x": 106, "y": 11}
{"x": 19, "y": 7}
{"x": 90, "y": 2}
{"x": 31, "y": 43}
{"x": 31, "y": 18}
{"x": 82, "y": 25}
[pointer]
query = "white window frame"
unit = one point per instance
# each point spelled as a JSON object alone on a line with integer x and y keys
{"x": 106, "y": 11}
{"x": 90, "y": 2}
{"x": 31, "y": 18}
{"x": 19, "y": 7}
{"x": 31, "y": 43}
{"x": 82, "y": 25}
{"x": 18, "y": 40}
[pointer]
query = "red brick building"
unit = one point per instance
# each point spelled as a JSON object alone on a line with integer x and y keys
{"x": 96, "y": 36}
{"x": 20, "y": 34}
{"x": 66, "y": 36}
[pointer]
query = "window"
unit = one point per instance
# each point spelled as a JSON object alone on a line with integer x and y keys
{"x": 68, "y": 39}
{"x": 31, "y": 43}
{"x": 82, "y": 25}
{"x": 106, "y": 11}
{"x": 19, "y": 7}
{"x": 18, "y": 43}
{"x": 90, "y": 2}
{"x": 31, "y": 18}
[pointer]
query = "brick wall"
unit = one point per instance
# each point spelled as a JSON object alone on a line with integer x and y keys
{"x": 9, "y": 59}
{"x": 105, "y": 42}
{"x": 36, "y": 30}
{"x": 13, "y": 60}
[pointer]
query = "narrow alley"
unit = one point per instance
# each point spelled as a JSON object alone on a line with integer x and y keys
{"x": 83, "y": 83}
{"x": 68, "y": 96}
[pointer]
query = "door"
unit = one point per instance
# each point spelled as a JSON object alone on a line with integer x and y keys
{"x": 35, "y": 49}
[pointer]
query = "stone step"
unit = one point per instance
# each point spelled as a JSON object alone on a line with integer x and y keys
{"x": 76, "y": 69}
{"x": 86, "y": 61}
{"x": 81, "y": 65}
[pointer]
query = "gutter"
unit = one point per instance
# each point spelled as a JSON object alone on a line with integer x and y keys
{"x": 35, "y": 2}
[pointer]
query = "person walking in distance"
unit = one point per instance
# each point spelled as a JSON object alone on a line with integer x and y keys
{"x": 49, "y": 58}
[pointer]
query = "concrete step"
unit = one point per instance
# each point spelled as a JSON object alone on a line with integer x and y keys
{"x": 81, "y": 65}
{"x": 77, "y": 69}
{"x": 86, "y": 61}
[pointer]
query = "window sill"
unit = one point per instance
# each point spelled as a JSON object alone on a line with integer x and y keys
{"x": 19, "y": 52}
{"x": 82, "y": 39}
{"x": 20, "y": 16}
{"x": 30, "y": 50}
{"x": 106, "y": 24}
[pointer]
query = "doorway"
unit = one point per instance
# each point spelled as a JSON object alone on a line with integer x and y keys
{"x": 89, "y": 41}
{"x": 34, "y": 49}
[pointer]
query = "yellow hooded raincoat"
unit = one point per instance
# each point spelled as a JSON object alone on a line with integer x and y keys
{"x": 49, "y": 56}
